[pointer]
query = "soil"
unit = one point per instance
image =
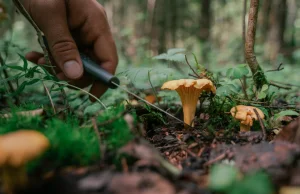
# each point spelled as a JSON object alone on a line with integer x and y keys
{"x": 145, "y": 170}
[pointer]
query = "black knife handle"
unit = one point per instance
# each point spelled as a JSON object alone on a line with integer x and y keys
{"x": 95, "y": 70}
{"x": 99, "y": 73}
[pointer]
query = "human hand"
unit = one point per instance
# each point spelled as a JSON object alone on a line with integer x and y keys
{"x": 69, "y": 25}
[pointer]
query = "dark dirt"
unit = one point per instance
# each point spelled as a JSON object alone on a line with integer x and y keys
{"x": 146, "y": 171}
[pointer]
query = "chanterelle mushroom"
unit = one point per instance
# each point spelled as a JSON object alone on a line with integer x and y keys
{"x": 16, "y": 149}
{"x": 246, "y": 114}
{"x": 189, "y": 91}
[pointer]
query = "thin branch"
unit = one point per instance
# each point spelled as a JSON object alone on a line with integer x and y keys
{"x": 50, "y": 98}
{"x": 96, "y": 130}
{"x": 279, "y": 86}
{"x": 217, "y": 159}
{"x": 279, "y": 68}
{"x": 190, "y": 153}
{"x": 24, "y": 12}
{"x": 200, "y": 152}
{"x": 187, "y": 61}
{"x": 244, "y": 89}
{"x": 2, "y": 63}
{"x": 193, "y": 76}
{"x": 261, "y": 125}
{"x": 287, "y": 84}
{"x": 153, "y": 89}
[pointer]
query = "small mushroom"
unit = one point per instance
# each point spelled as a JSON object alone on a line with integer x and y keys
{"x": 17, "y": 148}
{"x": 246, "y": 114}
{"x": 189, "y": 91}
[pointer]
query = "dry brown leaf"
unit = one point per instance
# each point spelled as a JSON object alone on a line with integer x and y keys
{"x": 289, "y": 190}
{"x": 24, "y": 113}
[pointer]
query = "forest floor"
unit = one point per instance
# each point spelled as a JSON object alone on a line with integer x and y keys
{"x": 194, "y": 154}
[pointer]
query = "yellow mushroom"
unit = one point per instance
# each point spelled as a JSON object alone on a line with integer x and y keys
{"x": 246, "y": 114}
{"x": 189, "y": 91}
{"x": 17, "y": 148}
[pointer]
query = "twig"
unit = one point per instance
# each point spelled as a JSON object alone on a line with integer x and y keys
{"x": 96, "y": 130}
{"x": 279, "y": 86}
{"x": 281, "y": 107}
{"x": 50, "y": 98}
{"x": 261, "y": 125}
{"x": 124, "y": 165}
{"x": 200, "y": 152}
{"x": 191, "y": 153}
{"x": 218, "y": 158}
{"x": 244, "y": 89}
{"x": 168, "y": 146}
{"x": 193, "y": 76}
{"x": 153, "y": 89}
{"x": 279, "y": 68}
{"x": 187, "y": 61}
{"x": 249, "y": 101}
{"x": 287, "y": 84}
{"x": 24, "y": 12}
{"x": 2, "y": 63}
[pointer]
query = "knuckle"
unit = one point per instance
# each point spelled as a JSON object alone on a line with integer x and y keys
{"x": 116, "y": 60}
{"x": 64, "y": 47}
{"x": 102, "y": 10}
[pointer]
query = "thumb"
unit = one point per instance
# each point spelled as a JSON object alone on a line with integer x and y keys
{"x": 53, "y": 22}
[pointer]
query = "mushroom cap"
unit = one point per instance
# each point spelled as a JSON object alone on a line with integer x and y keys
{"x": 201, "y": 84}
{"x": 19, "y": 147}
{"x": 246, "y": 114}
{"x": 189, "y": 91}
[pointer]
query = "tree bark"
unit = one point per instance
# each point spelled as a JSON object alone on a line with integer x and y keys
{"x": 205, "y": 25}
{"x": 277, "y": 23}
{"x": 205, "y": 20}
{"x": 264, "y": 21}
{"x": 258, "y": 75}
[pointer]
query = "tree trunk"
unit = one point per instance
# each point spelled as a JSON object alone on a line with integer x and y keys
{"x": 205, "y": 20}
{"x": 277, "y": 23}
{"x": 205, "y": 25}
{"x": 258, "y": 75}
{"x": 264, "y": 19}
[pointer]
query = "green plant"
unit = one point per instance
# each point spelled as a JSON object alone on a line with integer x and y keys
{"x": 114, "y": 127}
{"x": 227, "y": 179}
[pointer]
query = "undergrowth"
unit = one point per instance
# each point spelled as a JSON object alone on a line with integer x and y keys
{"x": 72, "y": 143}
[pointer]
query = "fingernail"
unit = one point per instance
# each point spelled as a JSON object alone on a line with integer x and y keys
{"x": 72, "y": 69}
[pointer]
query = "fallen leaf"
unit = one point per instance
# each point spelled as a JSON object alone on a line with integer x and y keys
{"x": 140, "y": 183}
{"x": 289, "y": 190}
{"x": 25, "y": 113}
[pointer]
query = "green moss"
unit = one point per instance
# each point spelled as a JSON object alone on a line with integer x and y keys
{"x": 117, "y": 132}
{"x": 71, "y": 144}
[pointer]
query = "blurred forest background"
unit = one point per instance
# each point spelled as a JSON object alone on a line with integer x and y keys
{"x": 211, "y": 29}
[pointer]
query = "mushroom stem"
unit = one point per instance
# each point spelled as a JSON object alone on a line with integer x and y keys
{"x": 189, "y": 105}
{"x": 14, "y": 179}
{"x": 189, "y": 114}
{"x": 244, "y": 128}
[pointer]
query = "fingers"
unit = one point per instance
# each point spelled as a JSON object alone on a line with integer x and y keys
{"x": 98, "y": 89}
{"x": 105, "y": 51}
{"x": 51, "y": 17}
{"x": 39, "y": 59}
{"x": 34, "y": 57}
